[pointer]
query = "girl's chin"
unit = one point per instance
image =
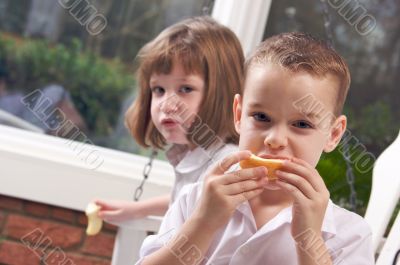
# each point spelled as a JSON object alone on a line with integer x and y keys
{"x": 176, "y": 140}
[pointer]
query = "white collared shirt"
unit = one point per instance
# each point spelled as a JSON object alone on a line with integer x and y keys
{"x": 346, "y": 235}
{"x": 190, "y": 166}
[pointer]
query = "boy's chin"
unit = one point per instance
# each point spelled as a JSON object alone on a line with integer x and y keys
{"x": 271, "y": 185}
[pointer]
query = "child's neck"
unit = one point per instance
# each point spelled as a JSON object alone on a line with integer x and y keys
{"x": 274, "y": 197}
{"x": 268, "y": 204}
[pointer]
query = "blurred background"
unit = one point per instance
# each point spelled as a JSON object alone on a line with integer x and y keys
{"x": 90, "y": 75}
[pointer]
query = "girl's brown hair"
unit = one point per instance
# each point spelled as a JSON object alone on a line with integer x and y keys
{"x": 204, "y": 47}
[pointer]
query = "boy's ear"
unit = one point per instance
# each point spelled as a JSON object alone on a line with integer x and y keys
{"x": 237, "y": 111}
{"x": 335, "y": 134}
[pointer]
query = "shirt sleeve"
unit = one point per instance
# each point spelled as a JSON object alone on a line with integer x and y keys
{"x": 175, "y": 217}
{"x": 354, "y": 246}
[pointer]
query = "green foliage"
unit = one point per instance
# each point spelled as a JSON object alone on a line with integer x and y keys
{"x": 332, "y": 167}
{"x": 377, "y": 127}
{"x": 96, "y": 86}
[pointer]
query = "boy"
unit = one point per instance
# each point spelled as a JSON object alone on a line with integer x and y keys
{"x": 294, "y": 91}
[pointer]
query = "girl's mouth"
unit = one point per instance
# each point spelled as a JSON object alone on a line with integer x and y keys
{"x": 169, "y": 122}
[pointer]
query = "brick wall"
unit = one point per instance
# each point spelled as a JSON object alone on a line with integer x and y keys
{"x": 38, "y": 234}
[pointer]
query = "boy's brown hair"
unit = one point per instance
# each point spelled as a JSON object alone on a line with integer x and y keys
{"x": 302, "y": 52}
{"x": 204, "y": 47}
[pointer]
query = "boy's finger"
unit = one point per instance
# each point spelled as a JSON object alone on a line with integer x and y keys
{"x": 292, "y": 190}
{"x": 297, "y": 181}
{"x": 245, "y": 196}
{"x": 244, "y": 174}
{"x": 243, "y": 186}
{"x": 230, "y": 160}
{"x": 304, "y": 171}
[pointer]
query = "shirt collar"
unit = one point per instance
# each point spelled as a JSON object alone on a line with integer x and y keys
{"x": 185, "y": 160}
{"x": 285, "y": 216}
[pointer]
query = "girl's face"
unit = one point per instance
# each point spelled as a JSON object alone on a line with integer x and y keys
{"x": 175, "y": 101}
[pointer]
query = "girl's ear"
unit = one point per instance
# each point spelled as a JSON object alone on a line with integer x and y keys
{"x": 335, "y": 134}
{"x": 237, "y": 111}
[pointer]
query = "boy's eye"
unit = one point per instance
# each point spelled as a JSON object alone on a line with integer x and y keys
{"x": 303, "y": 124}
{"x": 185, "y": 89}
{"x": 259, "y": 116}
{"x": 158, "y": 90}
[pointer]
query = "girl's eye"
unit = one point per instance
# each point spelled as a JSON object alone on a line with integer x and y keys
{"x": 185, "y": 89}
{"x": 261, "y": 117}
{"x": 303, "y": 124}
{"x": 158, "y": 90}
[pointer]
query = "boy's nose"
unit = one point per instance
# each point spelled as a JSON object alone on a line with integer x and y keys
{"x": 276, "y": 139}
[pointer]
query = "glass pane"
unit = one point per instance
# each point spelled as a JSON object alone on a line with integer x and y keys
{"x": 70, "y": 63}
{"x": 367, "y": 34}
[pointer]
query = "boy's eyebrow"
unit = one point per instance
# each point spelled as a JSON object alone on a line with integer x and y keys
{"x": 255, "y": 105}
{"x": 311, "y": 115}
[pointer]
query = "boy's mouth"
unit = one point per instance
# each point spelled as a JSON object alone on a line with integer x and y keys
{"x": 269, "y": 156}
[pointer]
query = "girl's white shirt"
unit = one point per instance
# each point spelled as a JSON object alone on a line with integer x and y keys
{"x": 190, "y": 166}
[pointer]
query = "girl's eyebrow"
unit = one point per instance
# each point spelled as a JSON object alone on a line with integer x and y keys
{"x": 152, "y": 82}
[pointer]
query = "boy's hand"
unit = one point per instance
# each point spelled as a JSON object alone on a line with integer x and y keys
{"x": 222, "y": 193}
{"x": 309, "y": 193}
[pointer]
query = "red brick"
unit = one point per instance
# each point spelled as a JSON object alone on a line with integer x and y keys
{"x": 37, "y": 209}
{"x": 2, "y": 218}
{"x": 101, "y": 245}
{"x": 64, "y": 215}
{"x": 17, "y": 254}
{"x": 10, "y": 203}
{"x": 60, "y": 235}
{"x": 59, "y": 257}
{"x": 82, "y": 219}
{"x": 110, "y": 227}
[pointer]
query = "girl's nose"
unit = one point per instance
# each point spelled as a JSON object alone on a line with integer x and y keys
{"x": 170, "y": 104}
{"x": 276, "y": 139}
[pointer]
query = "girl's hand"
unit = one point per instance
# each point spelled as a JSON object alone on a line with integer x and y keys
{"x": 309, "y": 193}
{"x": 222, "y": 193}
{"x": 119, "y": 211}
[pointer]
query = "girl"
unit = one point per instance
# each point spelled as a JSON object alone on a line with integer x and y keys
{"x": 188, "y": 76}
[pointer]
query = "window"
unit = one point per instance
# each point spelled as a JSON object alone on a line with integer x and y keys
{"x": 367, "y": 34}
{"x": 69, "y": 63}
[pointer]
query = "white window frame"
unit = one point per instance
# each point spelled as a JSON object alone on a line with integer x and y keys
{"x": 247, "y": 18}
{"x": 47, "y": 169}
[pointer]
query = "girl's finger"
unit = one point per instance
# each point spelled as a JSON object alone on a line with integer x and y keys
{"x": 109, "y": 216}
{"x": 229, "y": 161}
{"x": 244, "y": 174}
{"x": 104, "y": 205}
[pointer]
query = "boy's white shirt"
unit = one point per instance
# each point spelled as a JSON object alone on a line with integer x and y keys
{"x": 190, "y": 166}
{"x": 346, "y": 235}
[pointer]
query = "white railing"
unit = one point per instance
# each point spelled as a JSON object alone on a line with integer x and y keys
{"x": 50, "y": 170}
{"x": 130, "y": 237}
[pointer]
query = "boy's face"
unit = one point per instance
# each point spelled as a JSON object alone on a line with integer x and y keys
{"x": 281, "y": 114}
